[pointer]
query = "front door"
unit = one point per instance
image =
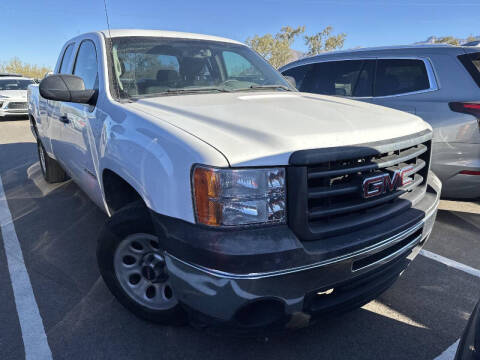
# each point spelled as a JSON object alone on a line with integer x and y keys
{"x": 78, "y": 150}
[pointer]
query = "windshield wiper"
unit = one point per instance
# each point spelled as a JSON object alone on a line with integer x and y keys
{"x": 178, "y": 91}
{"x": 200, "y": 89}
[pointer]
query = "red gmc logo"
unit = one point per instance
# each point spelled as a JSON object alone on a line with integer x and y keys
{"x": 382, "y": 183}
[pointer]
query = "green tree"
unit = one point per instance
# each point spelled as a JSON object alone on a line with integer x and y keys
{"x": 324, "y": 41}
{"x": 16, "y": 66}
{"x": 276, "y": 48}
{"x": 447, "y": 40}
{"x": 471, "y": 38}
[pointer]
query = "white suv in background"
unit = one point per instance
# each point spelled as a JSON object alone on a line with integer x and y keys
{"x": 13, "y": 94}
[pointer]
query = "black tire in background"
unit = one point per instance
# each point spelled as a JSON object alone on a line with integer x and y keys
{"x": 130, "y": 221}
{"x": 51, "y": 169}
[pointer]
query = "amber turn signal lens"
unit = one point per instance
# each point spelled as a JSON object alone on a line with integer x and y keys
{"x": 205, "y": 188}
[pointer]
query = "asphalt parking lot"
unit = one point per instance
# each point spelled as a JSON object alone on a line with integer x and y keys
{"x": 420, "y": 317}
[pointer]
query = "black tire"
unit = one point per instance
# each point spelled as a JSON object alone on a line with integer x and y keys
{"x": 129, "y": 221}
{"x": 51, "y": 169}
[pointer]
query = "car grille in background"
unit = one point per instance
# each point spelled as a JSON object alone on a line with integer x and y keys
{"x": 17, "y": 106}
{"x": 329, "y": 199}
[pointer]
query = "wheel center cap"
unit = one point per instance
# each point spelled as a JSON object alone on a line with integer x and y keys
{"x": 148, "y": 272}
{"x": 153, "y": 267}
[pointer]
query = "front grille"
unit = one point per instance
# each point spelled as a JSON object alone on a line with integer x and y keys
{"x": 17, "y": 106}
{"x": 329, "y": 199}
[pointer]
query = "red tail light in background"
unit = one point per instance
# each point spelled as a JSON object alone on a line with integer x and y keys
{"x": 470, "y": 172}
{"x": 471, "y": 108}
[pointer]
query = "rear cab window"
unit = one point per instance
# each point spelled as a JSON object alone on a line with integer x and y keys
{"x": 471, "y": 62}
{"x": 400, "y": 76}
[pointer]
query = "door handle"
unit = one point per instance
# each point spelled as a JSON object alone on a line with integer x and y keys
{"x": 64, "y": 119}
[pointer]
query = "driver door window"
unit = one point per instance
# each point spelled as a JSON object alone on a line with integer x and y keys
{"x": 239, "y": 68}
{"x": 86, "y": 65}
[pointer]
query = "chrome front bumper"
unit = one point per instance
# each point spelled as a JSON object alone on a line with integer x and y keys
{"x": 7, "y": 112}
{"x": 221, "y": 296}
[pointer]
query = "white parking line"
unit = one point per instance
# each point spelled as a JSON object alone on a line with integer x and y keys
{"x": 449, "y": 354}
{"x": 31, "y": 324}
{"x": 452, "y": 263}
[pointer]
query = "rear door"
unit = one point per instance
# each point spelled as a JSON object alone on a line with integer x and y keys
{"x": 398, "y": 82}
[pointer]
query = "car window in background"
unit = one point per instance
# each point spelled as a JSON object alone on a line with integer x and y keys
{"x": 86, "y": 64}
{"x": 15, "y": 84}
{"x": 364, "y": 84}
{"x": 341, "y": 78}
{"x": 66, "y": 60}
{"x": 400, "y": 76}
{"x": 299, "y": 73}
{"x": 472, "y": 64}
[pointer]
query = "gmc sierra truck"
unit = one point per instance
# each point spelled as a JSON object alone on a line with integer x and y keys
{"x": 233, "y": 199}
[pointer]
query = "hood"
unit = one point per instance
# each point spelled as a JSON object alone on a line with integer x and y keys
{"x": 17, "y": 94}
{"x": 264, "y": 128}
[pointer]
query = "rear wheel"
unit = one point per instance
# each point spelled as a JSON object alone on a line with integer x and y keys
{"x": 132, "y": 265}
{"x": 51, "y": 169}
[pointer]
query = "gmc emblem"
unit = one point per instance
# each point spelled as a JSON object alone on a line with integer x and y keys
{"x": 382, "y": 183}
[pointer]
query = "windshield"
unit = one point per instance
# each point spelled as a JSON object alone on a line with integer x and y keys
{"x": 15, "y": 84}
{"x": 149, "y": 66}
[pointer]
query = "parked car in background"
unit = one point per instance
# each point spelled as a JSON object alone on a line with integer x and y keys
{"x": 473, "y": 43}
{"x": 469, "y": 346}
{"x": 439, "y": 83}
{"x": 13, "y": 94}
{"x": 223, "y": 209}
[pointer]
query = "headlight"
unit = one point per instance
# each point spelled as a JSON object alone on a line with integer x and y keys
{"x": 229, "y": 197}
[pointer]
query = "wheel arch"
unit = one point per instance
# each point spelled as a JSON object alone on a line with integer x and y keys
{"x": 118, "y": 192}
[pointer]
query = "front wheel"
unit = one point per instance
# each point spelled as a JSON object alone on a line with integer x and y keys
{"x": 132, "y": 265}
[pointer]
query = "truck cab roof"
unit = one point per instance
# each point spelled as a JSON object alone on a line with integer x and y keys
{"x": 164, "y": 33}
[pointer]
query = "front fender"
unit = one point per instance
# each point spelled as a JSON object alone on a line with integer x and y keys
{"x": 155, "y": 158}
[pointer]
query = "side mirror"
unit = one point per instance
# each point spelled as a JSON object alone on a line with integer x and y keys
{"x": 68, "y": 88}
{"x": 291, "y": 80}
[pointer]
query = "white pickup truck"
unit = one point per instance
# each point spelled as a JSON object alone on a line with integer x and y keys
{"x": 233, "y": 199}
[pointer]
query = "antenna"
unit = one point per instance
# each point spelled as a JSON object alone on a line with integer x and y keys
{"x": 108, "y": 21}
{"x": 116, "y": 86}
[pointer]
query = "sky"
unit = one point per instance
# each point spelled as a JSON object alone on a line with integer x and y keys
{"x": 35, "y": 30}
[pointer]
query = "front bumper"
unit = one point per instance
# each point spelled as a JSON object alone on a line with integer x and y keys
{"x": 6, "y": 111}
{"x": 288, "y": 288}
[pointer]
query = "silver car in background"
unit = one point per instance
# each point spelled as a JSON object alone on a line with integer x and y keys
{"x": 439, "y": 83}
{"x": 13, "y": 95}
